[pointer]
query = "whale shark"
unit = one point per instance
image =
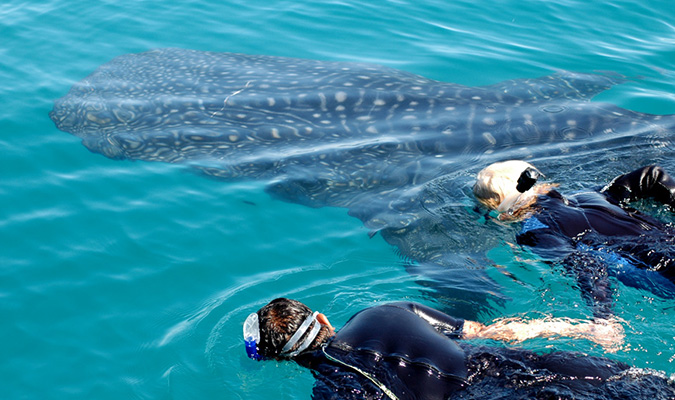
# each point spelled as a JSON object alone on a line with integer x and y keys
{"x": 396, "y": 149}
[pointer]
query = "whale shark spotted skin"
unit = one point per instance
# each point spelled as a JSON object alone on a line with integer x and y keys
{"x": 386, "y": 144}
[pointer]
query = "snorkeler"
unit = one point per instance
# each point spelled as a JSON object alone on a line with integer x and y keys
{"x": 594, "y": 233}
{"x": 409, "y": 351}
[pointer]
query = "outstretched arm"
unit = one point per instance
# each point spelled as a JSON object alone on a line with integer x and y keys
{"x": 607, "y": 333}
{"x": 590, "y": 270}
{"x": 652, "y": 181}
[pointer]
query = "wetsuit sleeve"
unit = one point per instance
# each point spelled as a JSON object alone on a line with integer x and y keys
{"x": 652, "y": 181}
{"x": 593, "y": 280}
{"x": 442, "y": 322}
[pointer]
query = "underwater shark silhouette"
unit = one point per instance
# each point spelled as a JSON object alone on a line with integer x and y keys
{"x": 394, "y": 148}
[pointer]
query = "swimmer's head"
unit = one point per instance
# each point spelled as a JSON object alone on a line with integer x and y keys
{"x": 500, "y": 185}
{"x": 288, "y": 328}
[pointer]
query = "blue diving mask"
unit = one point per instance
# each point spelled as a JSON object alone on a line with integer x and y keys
{"x": 252, "y": 337}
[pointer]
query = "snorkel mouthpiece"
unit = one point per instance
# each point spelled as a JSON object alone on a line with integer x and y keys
{"x": 252, "y": 336}
{"x": 527, "y": 179}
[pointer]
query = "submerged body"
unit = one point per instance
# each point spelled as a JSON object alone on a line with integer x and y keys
{"x": 409, "y": 351}
{"x": 323, "y": 132}
{"x": 388, "y": 145}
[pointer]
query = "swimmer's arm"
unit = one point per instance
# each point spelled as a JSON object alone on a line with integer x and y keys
{"x": 652, "y": 181}
{"x": 607, "y": 333}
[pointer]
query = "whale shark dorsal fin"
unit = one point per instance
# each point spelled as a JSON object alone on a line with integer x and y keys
{"x": 560, "y": 85}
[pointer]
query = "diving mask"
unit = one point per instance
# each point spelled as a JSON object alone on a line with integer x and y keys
{"x": 252, "y": 337}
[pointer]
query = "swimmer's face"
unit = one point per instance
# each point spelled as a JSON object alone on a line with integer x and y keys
{"x": 498, "y": 182}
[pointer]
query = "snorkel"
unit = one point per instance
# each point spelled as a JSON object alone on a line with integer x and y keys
{"x": 252, "y": 337}
{"x": 527, "y": 179}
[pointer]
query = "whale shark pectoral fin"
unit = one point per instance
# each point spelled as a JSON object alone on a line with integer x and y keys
{"x": 108, "y": 146}
{"x": 561, "y": 85}
{"x": 300, "y": 190}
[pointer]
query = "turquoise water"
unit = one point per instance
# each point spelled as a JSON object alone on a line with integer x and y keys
{"x": 132, "y": 280}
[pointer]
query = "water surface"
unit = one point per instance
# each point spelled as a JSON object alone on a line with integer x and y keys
{"x": 131, "y": 279}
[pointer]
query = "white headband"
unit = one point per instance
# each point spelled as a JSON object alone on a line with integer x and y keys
{"x": 298, "y": 334}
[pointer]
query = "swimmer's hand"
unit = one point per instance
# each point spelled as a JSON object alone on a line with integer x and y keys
{"x": 607, "y": 333}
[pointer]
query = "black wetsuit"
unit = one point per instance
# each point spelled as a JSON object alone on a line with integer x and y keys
{"x": 596, "y": 235}
{"x": 410, "y": 351}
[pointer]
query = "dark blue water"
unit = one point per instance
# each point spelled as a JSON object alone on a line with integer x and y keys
{"x": 131, "y": 279}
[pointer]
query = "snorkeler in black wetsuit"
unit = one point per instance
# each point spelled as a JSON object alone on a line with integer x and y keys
{"x": 410, "y": 351}
{"x": 594, "y": 233}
